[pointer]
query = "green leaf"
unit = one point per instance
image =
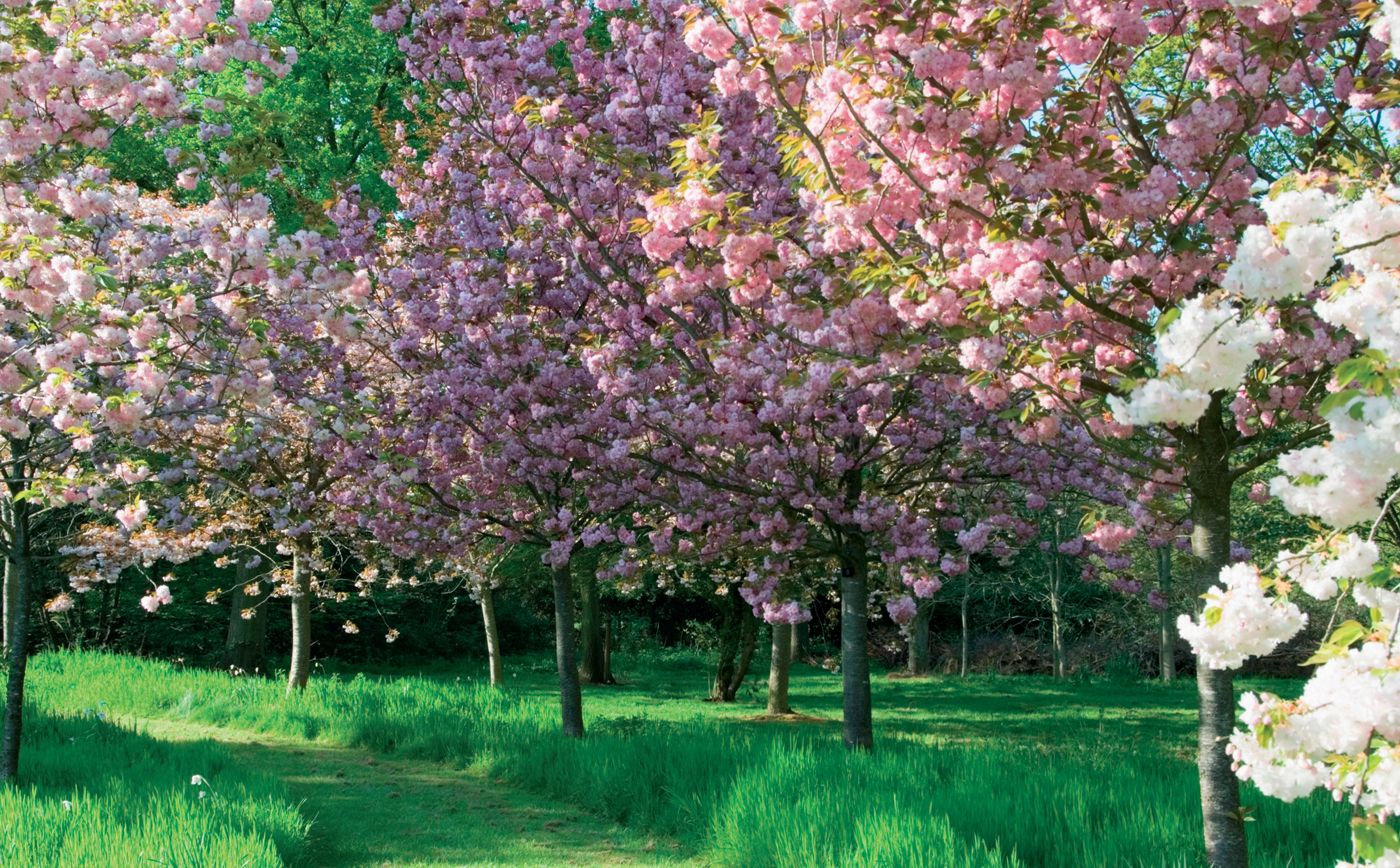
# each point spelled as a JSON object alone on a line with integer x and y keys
{"x": 1167, "y": 318}
{"x": 1346, "y": 633}
{"x": 1373, "y": 838}
{"x": 1351, "y": 369}
{"x": 1337, "y": 399}
{"x": 1322, "y": 656}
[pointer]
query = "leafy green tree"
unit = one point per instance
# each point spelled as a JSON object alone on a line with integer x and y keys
{"x": 323, "y": 127}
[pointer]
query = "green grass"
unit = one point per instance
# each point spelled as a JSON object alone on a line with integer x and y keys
{"x": 384, "y": 811}
{"x": 988, "y": 772}
{"x": 99, "y": 793}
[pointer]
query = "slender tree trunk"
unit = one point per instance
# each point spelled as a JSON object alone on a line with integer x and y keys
{"x": 246, "y": 642}
{"x": 104, "y": 616}
{"x": 608, "y": 649}
{"x": 858, "y": 729}
{"x": 300, "y": 670}
{"x": 1057, "y": 626}
{"x": 113, "y": 612}
{"x": 966, "y": 636}
{"x": 21, "y": 556}
{"x": 1167, "y": 652}
{"x": 748, "y": 643}
{"x": 493, "y": 636}
{"x": 1208, "y": 478}
{"x": 590, "y": 667}
{"x": 918, "y": 639}
{"x": 801, "y": 641}
{"x": 11, "y": 601}
{"x": 1058, "y": 669}
{"x": 731, "y": 614}
{"x": 570, "y": 694}
{"x": 779, "y": 668}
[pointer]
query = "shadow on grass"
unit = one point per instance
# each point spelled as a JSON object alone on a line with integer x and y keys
{"x": 378, "y": 810}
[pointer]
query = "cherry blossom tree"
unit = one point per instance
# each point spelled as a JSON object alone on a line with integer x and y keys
{"x": 521, "y": 197}
{"x": 93, "y": 323}
{"x": 1057, "y": 192}
{"x": 1337, "y": 234}
{"x": 285, "y": 381}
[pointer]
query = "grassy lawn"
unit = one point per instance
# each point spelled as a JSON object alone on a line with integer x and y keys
{"x": 378, "y": 811}
{"x": 100, "y": 793}
{"x": 986, "y": 772}
{"x": 1022, "y": 709}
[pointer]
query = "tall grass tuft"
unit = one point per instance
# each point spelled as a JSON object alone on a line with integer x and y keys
{"x": 95, "y": 793}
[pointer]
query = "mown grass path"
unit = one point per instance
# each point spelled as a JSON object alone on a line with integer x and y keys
{"x": 372, "y": 811}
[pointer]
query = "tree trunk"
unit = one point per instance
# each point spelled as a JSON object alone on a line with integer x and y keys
{"x": 1208, "y": 479}
{"x": 1058, "y": 669}
{"x": 731, "y": 614}
{"x": 105, "y": 615}
{"x": 918, "y": 639}
{"x": 493, "y": 636}
{"x": 11, "y": 601}
{"x": 300, "y": 670}
{"x": 966, "y": 648}
{"x": 778, "y": 670}
{"x": 1166, "y": 656}
{"x": 22, "y": 569}
{"x": 801, "y": 641}
{"x": 858, "y": 730}
{"x": 748, "y": 643}
{"x": 590, "y": 668}
{"x": 607, "y": 650}
{"x": 1057, "y": 625}
{"x": 570, "y": 694}
{"x": 246, "y": 642}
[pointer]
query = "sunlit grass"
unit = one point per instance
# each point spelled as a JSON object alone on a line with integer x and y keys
{"x": 988, "y": 772}
{"x": 95, "y": 793}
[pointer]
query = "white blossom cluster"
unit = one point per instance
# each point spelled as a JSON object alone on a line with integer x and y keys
{"x": 1319, "y": 570}
{"x": 1342, "y": 480}
{"x": 1240, "y": 620}
{"x": 1289, "y": 748}
{"x": 1211, "y": 343}
{"x": 1209, "y": 346}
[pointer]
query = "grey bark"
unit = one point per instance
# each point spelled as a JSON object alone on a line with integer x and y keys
{"x": 21, "y": 554}
{"x": 1057, "y": 625}
{"x": 858, "y": 730}
{"x": 801, "y": 641}
{"x": 738, "y": 636}
{"x": 10, "y": 602}
{"x": 493, "y": 636}
{"x": 1058, "y": 667}
{"x": 918, "y": 639}
{"x": 111, "y": 598}
{"x": 966, "y": 638}
{"x": 299, "y": 673}
{"x": 1208, "y": 479}
{"x": 1167, "y": 650}
{"x": 608, "y": 649}
{"x": 245, "y": 644}
{"x": 570, "y": 694}
{"x": 748, "y": 643}
{"x": 779, "y": 667}
{"x": 591, "y": 668}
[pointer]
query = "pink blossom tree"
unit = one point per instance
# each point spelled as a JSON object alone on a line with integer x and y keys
{"x": 286, "y": 380}
{"x": 1047, "y": 189}
{"x": 537, "y": 138}
{"x": 93, "y": 322}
